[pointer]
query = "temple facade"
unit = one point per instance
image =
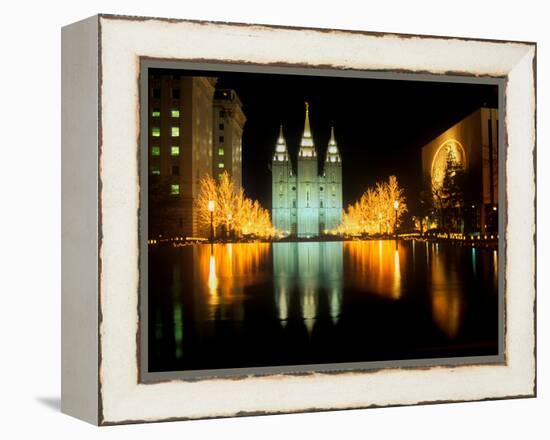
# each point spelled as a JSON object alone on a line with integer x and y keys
{"x": 304, "y": 203}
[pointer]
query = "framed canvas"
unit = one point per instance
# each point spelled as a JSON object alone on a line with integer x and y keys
{"x": 262, "y": 220}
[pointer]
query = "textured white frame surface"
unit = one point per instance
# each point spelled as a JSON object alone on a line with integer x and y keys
{"x": 122, "y": 42}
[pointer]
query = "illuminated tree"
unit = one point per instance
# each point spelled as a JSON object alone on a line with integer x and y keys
{"x": 208, "y": 191}
{"x": 234, "y": 213}
{"x": 374, "y": 212}
{"x": 449, "y": 196}
{"x": 394, "y": 193}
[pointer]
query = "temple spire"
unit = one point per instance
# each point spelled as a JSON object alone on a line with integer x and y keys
{"x": 333, "y": 155}
{"x": 307, "y": 148}
{"x": 281, "y": 152}
{"x": 307, "y": 129}
{"x": 281, "y": 137}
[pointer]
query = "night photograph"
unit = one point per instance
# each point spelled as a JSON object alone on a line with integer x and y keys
{"x": 300, "y": 220}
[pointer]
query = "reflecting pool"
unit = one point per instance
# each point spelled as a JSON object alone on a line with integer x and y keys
{"x": 265, "y": 304}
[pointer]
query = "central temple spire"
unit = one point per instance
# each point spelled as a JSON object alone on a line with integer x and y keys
{"x": 307, "y": 148}
{"x": 307, "y": 129}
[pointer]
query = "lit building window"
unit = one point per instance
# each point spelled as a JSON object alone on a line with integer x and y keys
{"x": 155, "y": 150}
{"x": 174, "y": 189}
{"x": 175, "y": 150}
{"x": 155, "y": 113}
{"x": 221, "y": 151}
{"x": 175, "y": 113}
{"x": 155, "y": 131}
{"x": 175, "y": 131}
{"x": 221, "y": 165}
{"x": 220, "y": 176}
{"x": 155, "y": 170}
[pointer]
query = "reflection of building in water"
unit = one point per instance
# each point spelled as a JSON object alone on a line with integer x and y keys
{"x": 377, "y": 266}
{"x": 309, "y": 270}
{"x": 306, "y": 203}
{"x": 177, "y": 310}
{"x": 472, "y": 145}
{"x": 446, "y": 291}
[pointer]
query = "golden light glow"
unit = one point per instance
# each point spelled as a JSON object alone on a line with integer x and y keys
{"x": 221, "y": 203}
{"x": 450, "y": 149}
{"x": 377, "y": 267}
{"x": 212, "y": 278}
{"x": 223, "y": 270}
{"x": 396, "y": 276}
{"x": 447, "y": 301}
{"x": 375, "y": 212}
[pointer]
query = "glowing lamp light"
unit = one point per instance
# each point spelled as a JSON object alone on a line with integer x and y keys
{"x": 211, "y": 205}
{"x": 396, "y": 205}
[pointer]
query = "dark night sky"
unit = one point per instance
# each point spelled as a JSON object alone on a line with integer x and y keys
{"x": 380, "y": 125}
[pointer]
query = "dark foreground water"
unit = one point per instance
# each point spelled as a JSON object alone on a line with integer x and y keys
{"x": 261, "y": 304}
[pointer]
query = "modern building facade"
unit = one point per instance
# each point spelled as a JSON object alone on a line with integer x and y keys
{"x": 305, "y": 203}
{"x": 183, "y": 125}
{"x": 473, "y": 144}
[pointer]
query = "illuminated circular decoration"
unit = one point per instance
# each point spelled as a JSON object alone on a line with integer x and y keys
{"x": 450, "y": 149}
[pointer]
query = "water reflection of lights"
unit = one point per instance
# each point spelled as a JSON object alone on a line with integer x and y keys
{"x": 313, "y": 269}
{"x": 212, "y": 277}
{"x": 414, "y": 253}
{"x": 224, "y": 269}
{"x": 376, "y": 267}
{"x": 282, "y": 305}
{"x": 307, "y": 270}
{"x": 177, "y": 311}
{"x": 396, "y": 276}
{"x": 335, "y": 304}
{"x": 309, "y": 307}
{"x": 447, "y": 301}
{"x": 178, "y": 330}
{"x": 308, "y": 282}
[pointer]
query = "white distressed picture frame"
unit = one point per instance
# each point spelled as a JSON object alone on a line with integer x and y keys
{"x": 100, "y": 250}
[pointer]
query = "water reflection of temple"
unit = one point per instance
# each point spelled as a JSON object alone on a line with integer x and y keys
{"x": 308, "y": 270}
{"x": 247, "y": 291}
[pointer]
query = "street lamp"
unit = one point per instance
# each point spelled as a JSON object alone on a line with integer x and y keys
{"x": 396, "y": 207}
{"x": 229, "y": 218}
{"x": 211, "y": 207}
